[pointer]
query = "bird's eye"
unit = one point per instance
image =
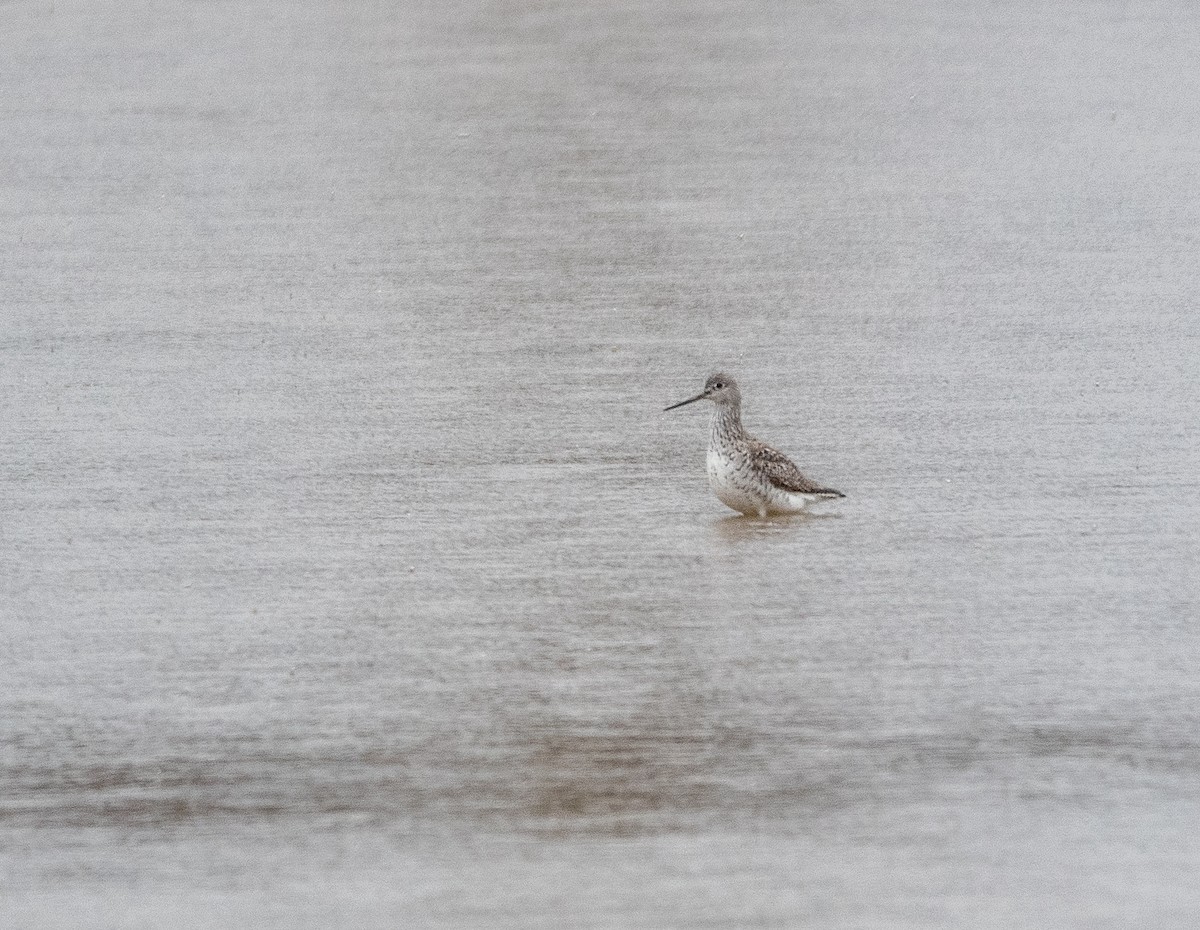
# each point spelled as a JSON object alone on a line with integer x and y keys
{"x": 718, "y": 386}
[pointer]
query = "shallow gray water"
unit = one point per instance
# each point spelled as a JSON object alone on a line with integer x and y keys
{"x": 351, "y": 575}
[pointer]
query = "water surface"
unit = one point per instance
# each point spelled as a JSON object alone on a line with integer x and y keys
{"x": 351, "y": 574}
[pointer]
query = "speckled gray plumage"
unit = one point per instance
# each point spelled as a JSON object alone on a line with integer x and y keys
{"x": 747, "y": 475}
{"x": 730, "y": 438}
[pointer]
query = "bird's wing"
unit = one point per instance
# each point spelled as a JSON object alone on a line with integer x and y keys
{"x": 782, "y": 473}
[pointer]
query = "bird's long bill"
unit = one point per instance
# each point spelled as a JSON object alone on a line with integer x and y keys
{"x": 690, "y": 400}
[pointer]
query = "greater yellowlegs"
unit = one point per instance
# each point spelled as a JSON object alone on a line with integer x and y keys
{"x": 744, "y": 473}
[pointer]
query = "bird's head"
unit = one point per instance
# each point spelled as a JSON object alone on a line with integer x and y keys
{"x": 720, "y": 388}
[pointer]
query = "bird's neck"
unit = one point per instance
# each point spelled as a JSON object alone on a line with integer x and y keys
{"x": 726, "y": 424}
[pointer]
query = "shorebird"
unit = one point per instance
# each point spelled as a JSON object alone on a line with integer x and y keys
{"x": 746, "y": 474}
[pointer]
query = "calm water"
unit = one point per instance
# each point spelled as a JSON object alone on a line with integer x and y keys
{"x": 351, "y": 575}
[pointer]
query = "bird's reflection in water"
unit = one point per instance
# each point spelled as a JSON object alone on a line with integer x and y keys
{"x": 737, "y": 528}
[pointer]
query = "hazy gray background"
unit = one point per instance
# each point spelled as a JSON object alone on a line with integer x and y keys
{"x": 351, "y": 575}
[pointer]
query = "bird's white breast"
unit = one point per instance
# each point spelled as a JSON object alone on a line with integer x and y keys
{"x": 738, "y": 486}
{"x": 734, "y": 484}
